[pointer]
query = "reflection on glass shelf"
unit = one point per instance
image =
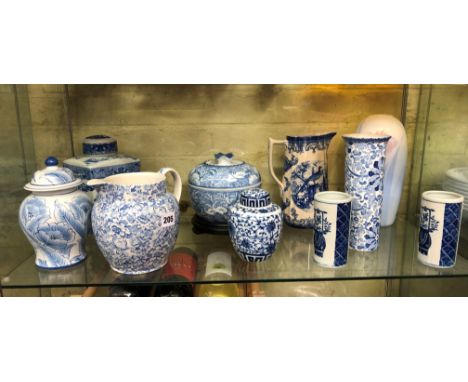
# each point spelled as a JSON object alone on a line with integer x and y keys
{"x": 293, "y": 261}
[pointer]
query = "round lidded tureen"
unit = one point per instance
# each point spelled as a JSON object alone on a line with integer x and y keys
{"x": 216, "y": 184}
{"x": 55, "y": 217}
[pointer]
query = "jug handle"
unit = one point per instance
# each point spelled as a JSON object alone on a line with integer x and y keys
{"x": 177, "y": 181}
{"x": 271, "y": 143}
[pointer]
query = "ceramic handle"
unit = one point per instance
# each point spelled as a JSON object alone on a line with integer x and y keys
{"x": 271, "y": 143}
{"x": 177, "y": 181}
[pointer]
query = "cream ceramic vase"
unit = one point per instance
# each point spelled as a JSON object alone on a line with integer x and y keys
{"x": 395, "y": 161}
{"x": 305, "y": 173}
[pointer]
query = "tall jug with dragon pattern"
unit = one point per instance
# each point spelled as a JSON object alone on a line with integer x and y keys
{"x": 305, "y": 174}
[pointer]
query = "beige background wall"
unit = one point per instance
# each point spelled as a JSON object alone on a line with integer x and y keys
{"x": 183, "y": 125}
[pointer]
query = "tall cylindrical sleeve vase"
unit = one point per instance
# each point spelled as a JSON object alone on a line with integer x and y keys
{"x": 364, "y": 171}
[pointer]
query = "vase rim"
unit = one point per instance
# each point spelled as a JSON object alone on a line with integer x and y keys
{"x": 443, "y": 197}
{"x": 366, "y": 137}
{"x": 333, "y": 197}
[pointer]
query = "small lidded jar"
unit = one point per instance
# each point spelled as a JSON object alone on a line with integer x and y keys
{"x": 255, "y": 225}
{"x": 55, "y": 217}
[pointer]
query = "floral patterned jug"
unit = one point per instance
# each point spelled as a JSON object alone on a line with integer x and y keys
{"x": 305, "y": 174}
{"x": 135, "y": 220}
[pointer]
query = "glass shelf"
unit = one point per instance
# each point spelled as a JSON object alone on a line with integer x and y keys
{"x": 293, "y": 261}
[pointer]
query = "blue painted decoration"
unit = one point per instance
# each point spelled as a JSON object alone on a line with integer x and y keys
{"x": 364, "y": 171}
{"x": 135, "y": 225}
{"x": 255, "y": 225}
{"x": 216, "y": 185}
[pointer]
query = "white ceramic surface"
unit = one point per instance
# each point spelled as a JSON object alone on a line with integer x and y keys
{"x": 395, "y": 161}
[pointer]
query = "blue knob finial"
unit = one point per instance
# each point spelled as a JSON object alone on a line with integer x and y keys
{"x": 51, "y": 161}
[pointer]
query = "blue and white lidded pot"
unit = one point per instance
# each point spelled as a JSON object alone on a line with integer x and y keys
{"x": 439, "y": 228}
{"x": 100, "y": 159}
{"x": 255, "y": 225}
{"x": 331, "y": 230}
{"x": 55, "y": 217}
{"x": 216, "y": 185}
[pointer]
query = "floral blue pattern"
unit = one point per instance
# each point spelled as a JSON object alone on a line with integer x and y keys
{"x": 255, "y": 231}
{"x": 364, "y": 171}
{"x": 304, "y": 183}
{"x": 99, "y": 144}
{"x": 213, "y": 205}
{"x": 216, "y": 185}
{"x": 56, "y": 226}
{"x": 236, "y": 175}
{"x": 135, "y": 226}
{"x": 101, "y": 172}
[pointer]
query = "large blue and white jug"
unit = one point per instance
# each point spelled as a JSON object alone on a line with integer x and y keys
{"x": 135, "y": 220}
{"x": 305, "y": 174}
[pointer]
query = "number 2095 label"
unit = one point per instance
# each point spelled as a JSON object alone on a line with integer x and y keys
{"x": 168, "y": 220}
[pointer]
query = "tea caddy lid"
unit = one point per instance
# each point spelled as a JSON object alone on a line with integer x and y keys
{"x": 99, "y": 145}
{"x": 52, "y": 178}
{"x": 224, "y": 172}
{"x": 255, "y": 197}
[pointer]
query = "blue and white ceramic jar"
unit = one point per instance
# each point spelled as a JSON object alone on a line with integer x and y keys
{"x": 135, "y": 220}
{"x": 439, "y": 228}
{"x": 55, "y": 217}
{"x": 216, "y": 185}
{"x": 255, "y": 225}
{"x": 364, "y": 172}
{"x": 100, "y": 159}
{"x": 331, "y": 230}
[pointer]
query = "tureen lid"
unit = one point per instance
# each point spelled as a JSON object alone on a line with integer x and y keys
{"x": 99, "y": 145}
{"x": 52, "y": 178}
{"x": 224, "y": 172}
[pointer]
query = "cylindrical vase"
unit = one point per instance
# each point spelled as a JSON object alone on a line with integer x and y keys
{"x": 364, "y": 172}
{"x": 331, "y": 228}
{"x": 439, "y": 228}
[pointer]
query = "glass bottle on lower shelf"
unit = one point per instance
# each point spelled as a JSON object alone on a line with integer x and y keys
{"x": 218, "y": 269}
{"x": 130, "y": 291}
{"x": 181, "y": 267}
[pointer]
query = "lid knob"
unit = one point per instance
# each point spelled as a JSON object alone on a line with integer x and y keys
{"x": 224, "y": 159}
{"x": 51, "y": 161}
{"x": 255, "y": 197}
